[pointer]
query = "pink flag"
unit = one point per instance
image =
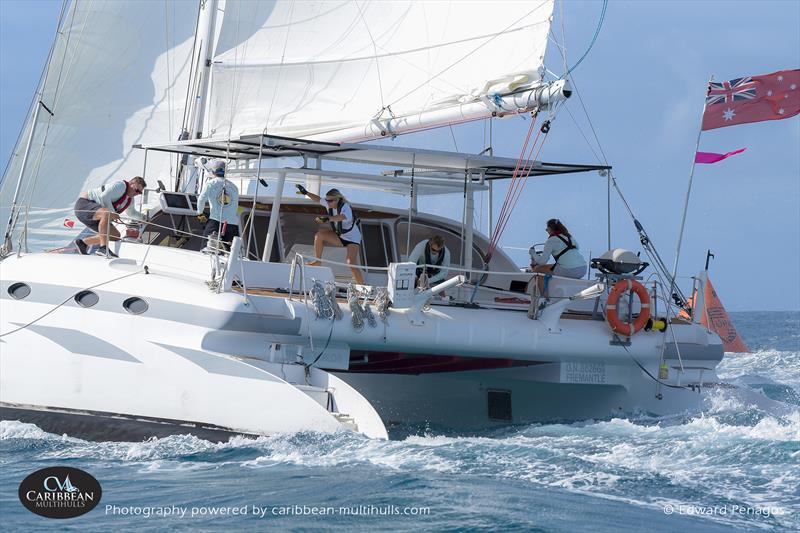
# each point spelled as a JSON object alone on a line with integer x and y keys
{"x": 711, "y": 157}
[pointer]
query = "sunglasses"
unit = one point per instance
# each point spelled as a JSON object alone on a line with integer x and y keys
{"x": 329, "y": 200}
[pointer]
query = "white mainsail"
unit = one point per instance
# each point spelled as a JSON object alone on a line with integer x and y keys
{"x": 117, "y": 76}
{"x": 327, "y": 69}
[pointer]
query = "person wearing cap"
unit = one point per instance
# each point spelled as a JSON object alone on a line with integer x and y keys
{"x": 223, "y": 199}
{"x": 345, "y": 228}
{"x": 98, "y": 207}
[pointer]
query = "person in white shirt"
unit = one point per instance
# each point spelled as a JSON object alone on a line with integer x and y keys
{"x": 345, "y": 228}
{"x": 433, "y": 253}
{"x": 223, "y": 198}
{"x": 569, "y": 263}
{"x": 98, "y": 207}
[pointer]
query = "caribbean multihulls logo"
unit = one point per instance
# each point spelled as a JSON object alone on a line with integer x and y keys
{"x": 60, "y": 492}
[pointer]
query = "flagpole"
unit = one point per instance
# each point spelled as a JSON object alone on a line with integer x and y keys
{"x": 688, "y": 194}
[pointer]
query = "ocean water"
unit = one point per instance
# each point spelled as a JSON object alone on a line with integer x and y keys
{"x": 731, "y": 467}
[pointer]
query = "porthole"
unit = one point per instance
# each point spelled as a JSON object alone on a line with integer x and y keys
{"x": 18, "y": 291}
{"x": 135, "y": 306}
{"x": 86, "y": 298}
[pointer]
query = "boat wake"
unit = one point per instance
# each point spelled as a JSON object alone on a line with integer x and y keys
{"x": 730, "y": 454}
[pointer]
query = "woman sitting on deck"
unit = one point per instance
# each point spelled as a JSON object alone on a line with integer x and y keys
{"x": 345, "y": 228}
{"x": 569, "y": 263}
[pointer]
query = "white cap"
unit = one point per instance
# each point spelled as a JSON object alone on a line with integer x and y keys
{"x": 216, "y": 167}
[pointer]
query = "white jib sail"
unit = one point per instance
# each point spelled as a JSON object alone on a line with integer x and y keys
{"x": 117, "y": 76}
{"x": 306, "y": 68}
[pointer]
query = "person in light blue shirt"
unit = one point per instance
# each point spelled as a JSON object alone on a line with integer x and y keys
{"x": 223, "y": 198}
{"x": 569, "y": 263}
{"x": 433, "y": 253}
{"x": 99, "y": 207}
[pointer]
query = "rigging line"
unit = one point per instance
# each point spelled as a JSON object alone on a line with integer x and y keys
{"x": 588, "y": 119}
{"x": 374, "y": 50}
{"x": 70, "y": 297}
{"x": 190, "y": 81}
{"x": 493, "y": 37}
{"x": 453, "y": 135}
{"x": 494, "y": 236}
{"x": 35, "y": 98}
{"x": 652, "y": 376}
{"x": 31, "y": 186}
{"x": 563, "y": 36}
{"x": 594, "y": 38}
{"x": 170, "y": 117}
{"x": 524, "y": 179}
{"x": 580, "y": 130}
{"x": 72, "y": 58}
{"x": 280, "y": 68}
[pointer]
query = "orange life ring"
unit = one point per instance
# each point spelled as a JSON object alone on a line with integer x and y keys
{"x": 617, "y": 325}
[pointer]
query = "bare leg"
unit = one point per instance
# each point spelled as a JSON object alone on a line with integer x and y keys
{"x": 352, "y": 259}
{"x": 323, "y": 237}
{"x": 542, "y": 269}
{"x": 103, "y": 216}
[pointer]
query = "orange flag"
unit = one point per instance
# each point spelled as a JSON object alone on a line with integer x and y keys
{"x": 720, "y": 321}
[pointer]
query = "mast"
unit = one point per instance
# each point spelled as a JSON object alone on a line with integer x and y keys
{"x": 205, "y": 30}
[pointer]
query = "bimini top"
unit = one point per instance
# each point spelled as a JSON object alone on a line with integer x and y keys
{"x": 436, "y": 163}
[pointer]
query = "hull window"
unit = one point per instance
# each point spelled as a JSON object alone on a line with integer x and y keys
{"x": 499, "y": 405}
{"x": 135, "y": 306}
{"x": 18, "y": 291}
{"x": 86, "y": 298}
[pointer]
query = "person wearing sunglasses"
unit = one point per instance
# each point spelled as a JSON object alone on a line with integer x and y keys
{"x": 433, "y": 257}
{"x": 98, "y": 207}
{"x": 345, "y": 228}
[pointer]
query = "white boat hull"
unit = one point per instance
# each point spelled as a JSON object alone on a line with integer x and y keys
{"x": 62, "y": 362}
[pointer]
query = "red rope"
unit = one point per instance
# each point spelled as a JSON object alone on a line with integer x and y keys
{"x": 511, "y": 188}
{"x": 518, "y": 180}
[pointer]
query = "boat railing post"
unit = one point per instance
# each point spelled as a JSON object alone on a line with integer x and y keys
{"x": 273, "y": 217}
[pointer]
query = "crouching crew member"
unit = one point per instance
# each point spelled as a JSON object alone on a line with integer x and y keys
{"x": 435, "y": 255}
{"x": 345, "y": 228}
{"x": 98, "y": 207}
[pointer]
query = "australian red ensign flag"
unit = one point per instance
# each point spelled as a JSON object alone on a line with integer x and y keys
{"x": 752, "y": 99}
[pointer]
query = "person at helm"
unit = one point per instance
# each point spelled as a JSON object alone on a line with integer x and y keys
{"x": 344, "y": 230}
{"x": 569, "y": 263}
{"x": 223, "y": 198}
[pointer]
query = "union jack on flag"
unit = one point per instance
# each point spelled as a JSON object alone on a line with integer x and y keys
{"x": 731, "y": 91}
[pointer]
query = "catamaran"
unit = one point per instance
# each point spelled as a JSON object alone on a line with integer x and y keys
{"x": 173, "y": 334}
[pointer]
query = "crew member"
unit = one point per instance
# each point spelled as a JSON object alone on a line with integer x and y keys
{"x": 434, "y": 255}
{"x": 569, "y": 263}
{"x": 223, "y": 198}
{"x": 98, "y": 207}
{"x": 345, "y": 228}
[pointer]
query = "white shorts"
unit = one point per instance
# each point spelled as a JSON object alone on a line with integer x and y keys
{"x": 575, "y": 272}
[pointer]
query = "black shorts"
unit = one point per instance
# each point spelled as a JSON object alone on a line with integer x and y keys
{"x": 85, "y": 210}
{"x": 345, "y": 243}
{"x": 231, "y": 231}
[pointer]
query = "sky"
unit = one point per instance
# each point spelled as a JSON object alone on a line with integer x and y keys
{"x": 643, "y": 86}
